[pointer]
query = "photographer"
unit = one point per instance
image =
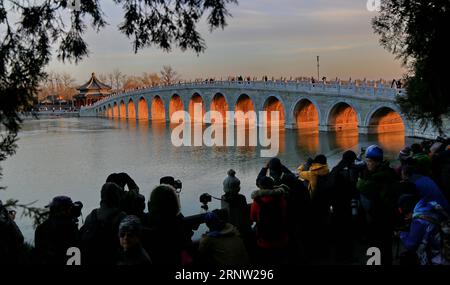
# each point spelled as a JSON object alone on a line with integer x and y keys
{"x": 131, "y": 202}
{"x": 345, "y": 175}
{"x": 99, "y": 234}
{"x": 59, "y": 232}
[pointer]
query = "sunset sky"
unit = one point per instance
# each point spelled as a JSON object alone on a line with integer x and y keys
{"x": 264, "y": 37}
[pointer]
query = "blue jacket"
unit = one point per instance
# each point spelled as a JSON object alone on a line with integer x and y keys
{"x": 429, "y": 191}
{"x": 424, "y": 234}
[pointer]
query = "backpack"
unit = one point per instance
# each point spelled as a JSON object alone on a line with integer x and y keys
{"x": 99, "y": 238}
{"x": 271, "y": 218}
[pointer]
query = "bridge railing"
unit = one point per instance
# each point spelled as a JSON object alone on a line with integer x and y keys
{"x": 332, "y": 87}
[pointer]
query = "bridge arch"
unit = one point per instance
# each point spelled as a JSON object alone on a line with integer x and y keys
{"x": 157, "y": 109}
{"x": 122, "y": 110}
{"x": 115, "y": 110}
{"x": 175, "y": 104}
{"x": 306, "y": 114}
{"x": 385, "y": 119}
{"x": 274, "y": 103}
{"x": 131, "y": 109}
{"x": 109, "y": 112}
{"x": 343, "y": 115}
{"x": 142, "y": 109}
{"x": 219, "y": 104}
{"x": 196, "y": 98}
{"x": 244, "y": 104}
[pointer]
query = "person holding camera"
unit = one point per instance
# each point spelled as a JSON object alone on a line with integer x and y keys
{"x": 269, "y": 211}
{"x": 344, "y": 192}
{"x": 59, "y": 232}
{"x": 99, "y": 234}
{"x": 298, "y": 200}
{"x": 131, "y": 202}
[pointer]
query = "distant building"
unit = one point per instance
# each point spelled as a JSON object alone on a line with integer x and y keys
{"x": 53, "y": 102}
{"x": 91, "y": 92}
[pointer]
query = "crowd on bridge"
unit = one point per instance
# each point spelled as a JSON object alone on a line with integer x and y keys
{"x": 398, "y": 84}
{"x": 318, "y": 215}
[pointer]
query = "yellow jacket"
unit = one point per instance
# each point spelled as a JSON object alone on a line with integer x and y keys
{"x": 311, "y": 175}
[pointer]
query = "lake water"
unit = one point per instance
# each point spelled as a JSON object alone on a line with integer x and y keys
{"x": 73, "y": 157}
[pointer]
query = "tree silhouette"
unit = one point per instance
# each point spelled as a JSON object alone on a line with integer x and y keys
{"x": 416, "y": 31}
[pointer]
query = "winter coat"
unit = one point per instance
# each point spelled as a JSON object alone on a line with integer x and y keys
{"x": 267, "y": 196}
{"x": 238, "y": 212}
{"x": 52, "y": 239}
{"x": 100, "y": 235}
{"x": 311, "y": 175}
{"x": 424, "y": 236}
{"x": 164, "y": 238}
{"x": 378, "y": 188}
{"x": 223, "y": 248}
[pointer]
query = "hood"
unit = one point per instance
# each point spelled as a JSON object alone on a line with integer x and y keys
{"x": 321, "y": 169}
{"x": 268, "y": 192}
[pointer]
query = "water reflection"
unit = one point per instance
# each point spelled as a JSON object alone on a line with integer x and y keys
{"x": 343, "y": 140}
{"x": 391, "y": 142}
{"x": 308, "y": 140}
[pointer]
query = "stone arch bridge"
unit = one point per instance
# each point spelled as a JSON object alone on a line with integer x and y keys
{"x": 327, "y": 107}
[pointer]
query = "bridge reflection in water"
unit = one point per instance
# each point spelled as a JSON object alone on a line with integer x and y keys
{"x": 308, "y": 141}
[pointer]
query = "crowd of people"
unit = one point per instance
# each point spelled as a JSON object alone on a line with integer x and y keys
{"x": 317, "y": 215}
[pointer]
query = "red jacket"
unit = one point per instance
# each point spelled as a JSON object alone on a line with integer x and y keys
{"x": 266, "y": 196}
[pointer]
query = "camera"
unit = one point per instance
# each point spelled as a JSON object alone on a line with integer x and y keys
{"x": 169, "y": 180}
{"x": 177, "y": 184}
{"x": 205, "y": 198}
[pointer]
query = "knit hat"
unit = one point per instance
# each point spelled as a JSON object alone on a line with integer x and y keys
{"x": 213, "y": 222}
{"x": 130, "y": 224}
{"x": 374, "y": 152}
{"x": 231, "y": 184}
